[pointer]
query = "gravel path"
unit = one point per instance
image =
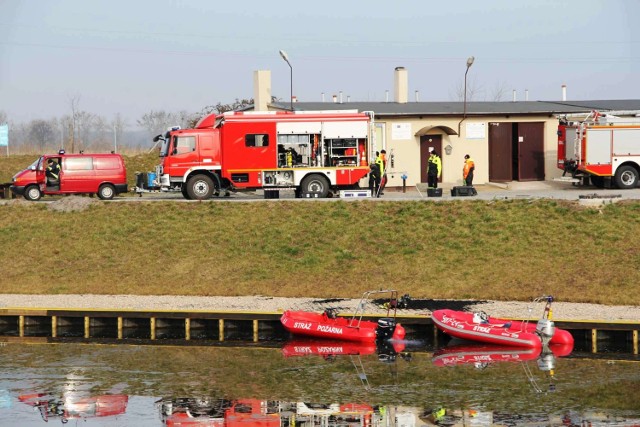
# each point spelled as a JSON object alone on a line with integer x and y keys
{"x": 561, "y": 310}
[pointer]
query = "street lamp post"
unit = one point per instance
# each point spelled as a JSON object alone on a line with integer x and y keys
{"x": 464, "y": 114}
{"x": 284, "y": 56}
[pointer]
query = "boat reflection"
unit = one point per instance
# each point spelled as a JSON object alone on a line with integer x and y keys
{"x": 329, "y": 349}
{"x": 70, "y": 407}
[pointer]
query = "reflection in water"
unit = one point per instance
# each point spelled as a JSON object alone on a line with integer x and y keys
{"x": 310, "y": 383}
{"x": 69, "y": 407}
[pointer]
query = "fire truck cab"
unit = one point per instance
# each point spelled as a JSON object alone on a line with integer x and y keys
{"x": 313, "y": 153}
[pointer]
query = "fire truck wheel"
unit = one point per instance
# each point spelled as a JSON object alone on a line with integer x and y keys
{"x": 626, "y": 177}
{"x": 315, "y": 185}
{"x": 200, "y": 187}
{"x": 184, "y": 192}
{"x": 106, "y": 192}
{"x": 32, "y": 193}
{"x": 597, "y": 181}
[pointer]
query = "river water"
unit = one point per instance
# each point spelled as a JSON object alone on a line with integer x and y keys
{"x": 307, "y": 383}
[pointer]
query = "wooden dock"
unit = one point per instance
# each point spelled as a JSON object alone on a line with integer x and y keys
{"x": 195, "y": 327}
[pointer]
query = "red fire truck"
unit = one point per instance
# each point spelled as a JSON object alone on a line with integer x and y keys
{"x": 601, "y": 147}
{"x": 314, "y": 153}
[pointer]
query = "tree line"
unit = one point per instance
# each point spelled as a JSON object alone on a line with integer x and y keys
{"x": 81, "y": 130}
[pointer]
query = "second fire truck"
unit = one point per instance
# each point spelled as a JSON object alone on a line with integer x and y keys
{"x": 601, "y": 147}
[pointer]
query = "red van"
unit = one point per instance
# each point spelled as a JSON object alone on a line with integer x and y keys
{"x": 101, "y": 174}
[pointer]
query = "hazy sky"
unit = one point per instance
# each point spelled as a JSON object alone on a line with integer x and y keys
{"x": 136, "y": 56}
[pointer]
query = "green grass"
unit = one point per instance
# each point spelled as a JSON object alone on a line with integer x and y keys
{"x": 504, "y": 250}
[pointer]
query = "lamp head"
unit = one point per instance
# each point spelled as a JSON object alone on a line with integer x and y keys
{"x": 469, "y": 60}
{"x": 284, "y": 56}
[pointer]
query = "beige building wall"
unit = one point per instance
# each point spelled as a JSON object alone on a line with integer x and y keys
{"x": 407, "y": 151}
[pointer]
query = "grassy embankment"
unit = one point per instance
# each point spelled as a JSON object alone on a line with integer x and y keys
{"x": 504, "y": 250}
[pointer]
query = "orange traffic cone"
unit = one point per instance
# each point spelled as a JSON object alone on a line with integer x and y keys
{"x": 363, "y": 160}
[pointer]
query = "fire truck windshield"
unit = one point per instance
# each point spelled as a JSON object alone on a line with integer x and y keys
{"x": 164, "y": 149}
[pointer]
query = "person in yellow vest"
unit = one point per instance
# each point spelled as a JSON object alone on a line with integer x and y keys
{"x": 381, "y": 161}
{"x": 434, "y": 169}
{"x": 467, "y": 170}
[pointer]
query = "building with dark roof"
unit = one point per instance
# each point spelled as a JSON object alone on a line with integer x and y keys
{"x": 509, "y": 141}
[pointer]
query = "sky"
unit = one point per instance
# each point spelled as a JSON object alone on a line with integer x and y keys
{"x": 136, "y": 56}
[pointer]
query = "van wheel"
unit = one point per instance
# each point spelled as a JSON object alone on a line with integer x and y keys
{"x": 32, "y": 193}
{"x": 626, "y": 177}
{"x": 315, "y": 186}
{"x": 200, "y": 187}
{"x": 106, "y": 192}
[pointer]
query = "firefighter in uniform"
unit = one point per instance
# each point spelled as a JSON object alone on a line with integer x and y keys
{"x": 434, "y": 169}
{"x": 53, "y": 172}
{"x": 374, "y": 179}
{"x": 381, "y": 161}
{"x": 467, "y": 170}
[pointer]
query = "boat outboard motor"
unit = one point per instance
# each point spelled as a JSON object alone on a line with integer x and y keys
{"x": 545, "y": 329}
{"x": 386, "y": 327}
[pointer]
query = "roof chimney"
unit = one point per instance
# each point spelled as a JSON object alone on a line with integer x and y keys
{"x": 564, "y": 92}
{"x": 335, "y": 99}
{"x": 417, "y": 96}
{"x": 261, "y": 90}
{"x": 526, "y": 94}
{"x": 402, "y": 85}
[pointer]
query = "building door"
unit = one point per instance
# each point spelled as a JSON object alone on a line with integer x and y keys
{"x": 428, "y": 143}
{"x": 531, "y": 151}
{"x": 500, "y": 137}
{"x": 516, "y": 151}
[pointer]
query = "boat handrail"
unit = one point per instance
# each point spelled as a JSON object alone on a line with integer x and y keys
{"x": 393, "y": 295}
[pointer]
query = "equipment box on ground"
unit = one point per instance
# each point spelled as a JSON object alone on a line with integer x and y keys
{"x": 434, "y": 192}
{"x": 463, "y": 191}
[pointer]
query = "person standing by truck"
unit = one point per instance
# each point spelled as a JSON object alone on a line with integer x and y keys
{"x": 374, "y": 179}
{"x": 381, "y": 161}
{"x": 434, "y": 169}
{"x": 467, "y": 170}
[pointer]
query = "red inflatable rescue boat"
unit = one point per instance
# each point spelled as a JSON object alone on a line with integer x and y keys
{"x": 482, "y": 328}
{"x": 331, "y": 326}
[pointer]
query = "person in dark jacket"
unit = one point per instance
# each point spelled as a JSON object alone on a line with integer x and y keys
{"x": 53, "y": 172}
{"x": 374, "y": 179}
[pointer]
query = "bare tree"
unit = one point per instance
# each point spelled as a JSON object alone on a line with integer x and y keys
{"x": 101, "y": 135}
{"x": 474, "y": 90}
{"x": 41, "y": 132}
{"x": 119, "y": 124}
{"x": 3, "y": 117}
{"x": 74, "y": 103}
{"x": 156, "y": 122}
{"x": 84, "y": 122}
{"x": 499, "y": 92}
{"x": 220, "y": 108}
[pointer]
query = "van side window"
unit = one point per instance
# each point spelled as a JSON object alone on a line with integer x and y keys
{"x": 184, "y": 144}
{"x": 106, "y": 163}
{"x": 78, "y": 163}
{"x": 256, "y": 140}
